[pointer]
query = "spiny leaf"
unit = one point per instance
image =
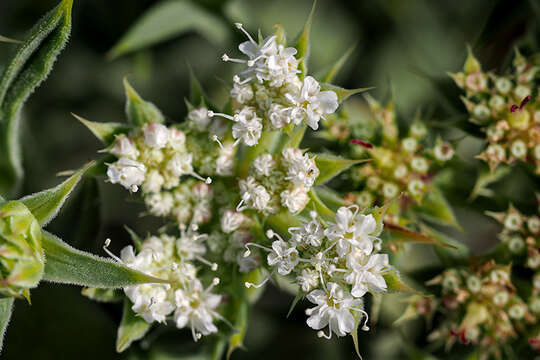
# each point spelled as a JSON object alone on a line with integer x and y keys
{"x": 45, "y": 204}
{"x": 330, "y": 166}
{"x": 103, "y": 295}
{"x": 132, "y": 328}
{"x": 8, "y": 40}
{"x": 6, "y": 308}
{"x": 139, "y": 111}
{"x": 402, "y": 234}
{"x": 297, "y": 298}
{"x": 379, "y": 213}
{"x": 240, "y": 323}
{"x": 105, "y": 132}
{"x": 334, "y": 70}
{"x": 435, "y": 208}
{"x": 169, "y": 19}
{"x": 67, "y": 265}
{"x": 329, "y": 197}
{"x": 343, "y": 94}
{"x": 30, "y": 65}
{"x": 395, "y": 284}
{"x": 449, "y": 257}
{"x": 487, "y": 178}
{"x": 303, "y": 45}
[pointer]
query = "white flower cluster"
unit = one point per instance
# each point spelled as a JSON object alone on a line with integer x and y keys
{"x": 335, "y": 266}
{"x": 269, "y": 92}
{"x": 278, "y": 181}
{"x": 184, "y": 299}
{"x": 155, "y": 159}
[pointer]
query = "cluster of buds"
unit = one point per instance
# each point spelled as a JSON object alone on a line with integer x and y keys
{"x": 481, "y": 307}
{"x": 400, "y": 165}
{"x": 21, "y": 255}
{"x": 277, "y": 181}
{"x": 521, "y": 234}
{"x": 499, "y": 105}
{"x": 334, "y": 265}
{"x": 269, "y": 94}
{"x": 184, "y": 298}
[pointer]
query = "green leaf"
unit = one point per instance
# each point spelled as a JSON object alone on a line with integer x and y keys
{"x": 329, "y": 197}
{"x": 29, "y": 66}
{"x": 132, "y": 328}
{"x": 240, "y": 323}
{"x": 331, "y": 74}
{"x": 379, "y": 213}
{"x": 137, "y": 241}
{"x": 354, "y": 334}
{"x": 105, "y": 132}
{"x": 297, "y": 298}
{"x": 67, "y": 265}
{"x": 197, "y": 96}
{"x": 330, "y": 166}
{"x": 6, "y": 308}
{"x": 449, "y": 257}
{"x": 343, "y": 94}
{"x": 302, "y": 43}
{"x": 45, "y": 204}
{"x": 487, "y": 178}
{"x": 268, "y": 143}
{"x": 8, "y": 40}
{"x": 296, "y": 136}
{"x": 320, "y": 207}
{"x": 103, "y": 295}
{"x": 435, "y": 208}
{"x": 402, "y": 234}
{"x": 282, "y": 221}
{"x": 169, "y": 19}
{"x": 139, "y": 111}
{"x": 395, "y": 284}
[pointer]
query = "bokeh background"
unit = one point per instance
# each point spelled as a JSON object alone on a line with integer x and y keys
{"x": 402, "y": 47}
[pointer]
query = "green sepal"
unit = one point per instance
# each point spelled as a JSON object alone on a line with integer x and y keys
{"x": 331, "y": 198}
{"x": 240, "y": 323}
{"x": 342, "y": 93}
{"x": 6, "y": 309}
{"x": 297, "y": 298}
{"x": 358, "y": 317}
{"x": 28, "y": 68}
{"x": 281, "y": 34}
{"x": 105, "y": 132}
{"x": 436, "y": 208}
{"x": 139, "y": 111}
{"x": 331, "y": 166}
{"x": 5, "y": 39}
{"x": 379, "y": 213}
{"x": 295, "y": 136}
{"x": 197, "y": 96}
{"x": 67, "y": 265}
{"x": 46, "y": 204}
{"x": 132, "y": 328}
{"x": 137, "y": 241}
{"x": 103, "y": 295}
{"x": 487, "y": 178}
{"x": 395, "y": 284}
{"x": 303, "y": 44}
{"x": 334, "y": 70}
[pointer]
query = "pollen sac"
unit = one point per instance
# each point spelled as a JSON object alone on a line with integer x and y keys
{"x": 21, "y": 255}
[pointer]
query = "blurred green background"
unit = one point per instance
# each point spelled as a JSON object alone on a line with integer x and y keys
{"x": 404, "y": 47}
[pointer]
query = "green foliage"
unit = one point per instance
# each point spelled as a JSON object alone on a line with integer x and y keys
{"x": 331, "y": 166}
{"x": 105, "y": 132}
{"x": 132, "y": 328}
{"x": 303, "y": 43}
{"x": 6, "y": 308}
{"x": 139, "y": 111}
{"x": 30, "y": 65}
{"x": 169, "y": 19}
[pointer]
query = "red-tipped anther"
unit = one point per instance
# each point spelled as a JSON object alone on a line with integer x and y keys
{"x": 453, "y": 332}
{"x": 463, "y": 338}
{"x": 514, "y": 108}
{"x": 361, "y": 143}
{"x": 524, "y": 102}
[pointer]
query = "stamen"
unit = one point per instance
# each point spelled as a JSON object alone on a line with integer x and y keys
{"x": 248, "y": 251}
{"x": 239, "y": 207}
{"x": 241, "y": 28}
{"x": 215, "y": 282}
{"x": 309, "y": 312}
{"x": 213, "y": 266}
{"x": 226, "y": 58}
{"x": 322, "y": 334}
{"x": 216, "y": 139}
{"x": 212, "y": 114}
{"x": 196, "y": 335}
{"x": 248, "y": 284}
{"x": 207, "y": 181}
{"x": 105, "y": 246}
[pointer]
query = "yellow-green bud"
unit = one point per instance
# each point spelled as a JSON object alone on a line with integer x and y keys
{"x": 21, "y": 255}
{"x": 519, "y": 120}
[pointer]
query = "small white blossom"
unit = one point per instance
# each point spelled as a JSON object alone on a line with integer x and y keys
{"x": 231, "y": 221}
{"x": 128, "y": 173}
{"x": 302, "y": 171}
{"x": 308, "y": 279}
{"x": 366, "y": 274}
{"x": 253, "y": 194}
{"x": 199, "y": 118}
{"x": 242, "y": 93}
{"x": 295, "y": 200}
{"x": 263, "y": 164}
{"x": 279, "y": 116}
{"x": 319, "y": 103}
{"x": 156, "y": 135}
{"x": 180, "y": 164}
{"x": 153, "y": 182}
{"x": 177, "y": 139}
{"x": 124, "y": 147}
{"x": 160, "y": 204}
{"x": 284, "y": 256}
{"x": 247, "y": 126}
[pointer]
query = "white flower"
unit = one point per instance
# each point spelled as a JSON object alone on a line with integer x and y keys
{"x": 247, "y": 126}
{"x": 295, "y": 200}
{"x": 263, "y": 164}
{"x": 155, "y": 135}
{"x": 199, "y": 118}
{"x": 152, "y": 304}
{"x": 231, "y": 220}
{"x": 318, "y": 102}
{"x": 284, "y": 256}
{"x": 225, "y": 160}
{"x": 311, "y": 233}
{"x": 308, "y": 280}
{"x": 419, "y": 164}
{"x": 139, "y": 261}
{"x": 333, "y": 310}
{"x": 302, "y": 171}
{"x": 196, "y": 308}
{"x": 247, "y": 264}
{"x": 282, "y": 66}
{"x": 153, "y": 182}
{"x": 124, "y": 147}
{"x": 177, "y": 139}
{"x": 279, "y": 115}
{"x": 443, "y": 152}
{"x": 242, "y": 93}
{"x": 160, "y": 204}
{"x": 253, "y": 194}
{"x": 128, "y": 173}
{"x": 366, "y": 274}
{"x": 189, "y": 245}
{"x": 180, "y": 164}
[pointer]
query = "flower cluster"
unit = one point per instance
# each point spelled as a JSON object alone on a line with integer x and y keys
{"x": 400, "y": 165}
{"x": 335, "y": 266}
{"x": 498, "y": 104}
{"x": 183, "y": 298}
{"x": 277, "y": 181}
{"x": 269, "y": 94}
{"x": 521, "y": 234}
{"x": 480, "y": 306}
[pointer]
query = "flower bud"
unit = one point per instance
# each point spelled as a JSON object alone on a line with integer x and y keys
{"x": 21, "y": 255}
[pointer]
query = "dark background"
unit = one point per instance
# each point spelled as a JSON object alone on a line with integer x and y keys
{"x": 404, "y": 45}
